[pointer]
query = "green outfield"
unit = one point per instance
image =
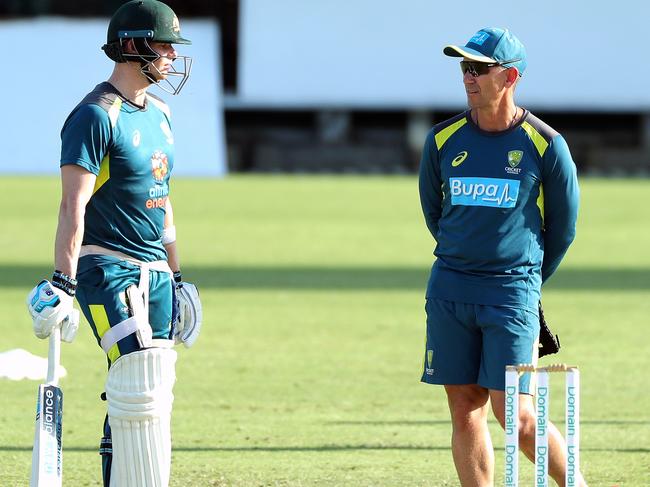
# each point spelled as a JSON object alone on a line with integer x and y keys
{"x": 307, "y": 369}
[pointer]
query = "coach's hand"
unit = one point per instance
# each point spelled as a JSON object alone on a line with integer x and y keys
{"x": 189, "y": 314}
{"x": 50, "y": 306}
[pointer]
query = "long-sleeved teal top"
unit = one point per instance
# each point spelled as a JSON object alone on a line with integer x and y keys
{"x": 502, "y": 207}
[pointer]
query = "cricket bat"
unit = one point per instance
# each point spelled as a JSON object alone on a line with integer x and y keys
{"x": 47, "y": 454}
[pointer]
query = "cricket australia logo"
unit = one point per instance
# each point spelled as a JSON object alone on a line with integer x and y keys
{"x": 514, "y": 158}
{"x": 428, "y": 369}
{"x": 159, "y": 165}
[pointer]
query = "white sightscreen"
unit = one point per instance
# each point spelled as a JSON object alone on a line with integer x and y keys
{"x": 582, "y": 54}
{"x": 55, "y": 62}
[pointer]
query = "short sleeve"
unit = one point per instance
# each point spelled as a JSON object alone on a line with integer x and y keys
{"x": 85, "y": 137}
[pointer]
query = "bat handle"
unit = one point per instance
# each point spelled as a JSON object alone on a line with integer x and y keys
{"x": 54, "y": 356}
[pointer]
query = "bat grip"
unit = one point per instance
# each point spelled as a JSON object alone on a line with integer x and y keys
{"x": 54, "y": 356}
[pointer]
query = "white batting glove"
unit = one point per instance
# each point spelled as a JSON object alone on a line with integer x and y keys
{"x": 70, "y": 326}
{"x": 49, "y": 306}
{"x": 188, "y": 325}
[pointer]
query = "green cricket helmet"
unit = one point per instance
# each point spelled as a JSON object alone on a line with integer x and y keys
{"x": 146, "y": 21}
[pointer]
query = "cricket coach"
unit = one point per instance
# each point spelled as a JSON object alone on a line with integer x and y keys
{"x": 499, "y": 193}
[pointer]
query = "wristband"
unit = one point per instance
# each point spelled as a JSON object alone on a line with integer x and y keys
{"x": 64, "y": 282}
{"x": 169, "y": 235}
{"x": 177, "y": 277}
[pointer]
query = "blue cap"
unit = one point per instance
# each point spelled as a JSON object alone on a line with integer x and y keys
{"x": 492, "y": 45}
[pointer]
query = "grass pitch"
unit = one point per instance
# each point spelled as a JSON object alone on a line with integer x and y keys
{"x": 307, "y": 369}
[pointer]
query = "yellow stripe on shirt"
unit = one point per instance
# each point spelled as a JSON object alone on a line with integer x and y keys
{"x": 114, "y": 111}
{"x": 104, "y": 173}
{"x": 537, "y": 138}
{"x": 540, "y": 203}
{"x": 444, "y": 134}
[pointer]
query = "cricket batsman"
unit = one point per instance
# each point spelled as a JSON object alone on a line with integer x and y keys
{"x": 499, "y": 194}
{"x": 115, "y": 248}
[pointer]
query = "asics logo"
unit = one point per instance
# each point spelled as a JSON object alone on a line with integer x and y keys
{"x": 458, "y": 160}
{"x": 499, "y": 193}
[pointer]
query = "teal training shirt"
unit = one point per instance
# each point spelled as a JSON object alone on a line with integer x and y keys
{"x": 502, "y": 207}
{"x": 131, "y": 151}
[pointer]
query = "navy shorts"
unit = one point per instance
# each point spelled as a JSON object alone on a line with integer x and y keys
{"x": 101, "y": 294}
{"x": 473, "y": 343}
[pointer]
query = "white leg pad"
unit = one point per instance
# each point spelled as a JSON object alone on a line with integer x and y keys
{"x": 139, "y": 396}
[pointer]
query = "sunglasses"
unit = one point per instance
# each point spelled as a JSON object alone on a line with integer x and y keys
{"x": 479, "y": 69}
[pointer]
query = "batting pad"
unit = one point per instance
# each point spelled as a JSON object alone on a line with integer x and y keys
{"x": 139, "y": 396}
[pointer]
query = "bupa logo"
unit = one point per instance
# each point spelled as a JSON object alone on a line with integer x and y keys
{"x": 499, "y": 193}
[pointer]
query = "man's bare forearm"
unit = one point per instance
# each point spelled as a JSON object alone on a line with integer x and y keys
{"x": 69, "y": 235}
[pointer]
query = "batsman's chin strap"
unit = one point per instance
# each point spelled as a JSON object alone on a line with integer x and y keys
{"x": 138, "y": 298}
